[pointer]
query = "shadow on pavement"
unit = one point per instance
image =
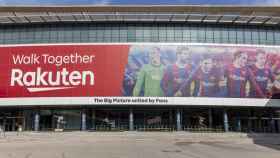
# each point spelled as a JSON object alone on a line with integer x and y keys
{"x": 270, "y": 140}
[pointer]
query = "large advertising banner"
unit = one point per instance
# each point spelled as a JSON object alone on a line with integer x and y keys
{"x": 62, "y": 70}
{"x": 176, "y": 74}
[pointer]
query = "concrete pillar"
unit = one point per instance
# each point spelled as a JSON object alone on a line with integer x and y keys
{"x": 4, "y": 123}
{"x": 93, "y": 120}
{"x": 259, "y": 124}
{"x": 210, "y": 117}
{"x": 170, "y": 118}
{"x": 37, "y": 121}
{"x": 84, "y": 120}
{"x": 250, "y": 120}
{"x": 238, "y": 123}
{"x": 272, "y": 125}
{"x": 226, "y": 128}
{"x": 178, "y": 119}
{"x": 272, "y": 122}
{"x": 277, "y": 122}
{"x": 249, "y": 124}
{"x": 131, "y": 120}
{"x": 24, "y": 123}
{"x": 13, "y": 124}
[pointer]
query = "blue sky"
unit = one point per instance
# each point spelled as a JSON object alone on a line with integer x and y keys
{"x": 108, "y": 2}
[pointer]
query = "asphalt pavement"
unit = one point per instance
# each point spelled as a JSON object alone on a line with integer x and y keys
{"x": 138, "y": 145}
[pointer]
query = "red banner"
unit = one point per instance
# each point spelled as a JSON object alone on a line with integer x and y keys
{"x": 62, "y": 70}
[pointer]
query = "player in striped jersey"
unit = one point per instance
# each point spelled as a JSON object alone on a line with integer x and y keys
{"x": 177, "y": 74}
{"x": 237, "y": 76}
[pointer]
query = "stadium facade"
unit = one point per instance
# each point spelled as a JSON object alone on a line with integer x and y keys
{"x": 193, "y": 68}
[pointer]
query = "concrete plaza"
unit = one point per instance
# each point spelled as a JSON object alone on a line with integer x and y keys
{"x": 138, "y": 145}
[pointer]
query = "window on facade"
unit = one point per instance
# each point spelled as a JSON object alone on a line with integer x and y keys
{"x": 269, "y": 37}
{"x": 240, "y": 36}
{"x": 247, "y": 36}
{"x": 186, "y": 34}
{"x": 262, "y": 34}
{"x": 170, "y": 37}
{"x": 232, "y": 35}
{"x": 138, "y": 32}
{"x": 209, "y": 35}
{"x": 178, "y": 34}
{"x": 277, "y": 37}
{"x": 162, "y": 33}
{"x": 255, "y": 36}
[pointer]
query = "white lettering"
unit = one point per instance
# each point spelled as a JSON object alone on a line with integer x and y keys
{"x": 29, "y": 78}
{"x": 54, "y": 80}
{"x": 22, "y": 59}
{"x": 74, "y": 78}
{"x": 46, "y": 78}
{"x": 16, "y": 77}
{"x": 69, "y": 59}
{"x": 64, "y": 74}
{"x": 40, "y": 77}
{"x": 91, "y": 77}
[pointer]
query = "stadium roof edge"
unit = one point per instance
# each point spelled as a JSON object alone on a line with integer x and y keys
{"x": 255, "y": 15}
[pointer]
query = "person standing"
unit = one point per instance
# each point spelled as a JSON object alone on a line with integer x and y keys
{"x": 261, "y": 77}
{"x": 176, "y": 74}
{"x": 150, "y": 75}
{"x": 237, "y": 76}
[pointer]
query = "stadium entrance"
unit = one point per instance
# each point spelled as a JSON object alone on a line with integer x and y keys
{"x": 154, "y": 119}
{"x": 140, "y": 118}
{"x": 60, "y": 119}
{"x": 202, "y": 119}
{"x": 12, "y": 120}
{"x": 110, "y": 119}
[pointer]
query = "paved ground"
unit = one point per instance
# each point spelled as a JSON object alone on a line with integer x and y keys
{"x": 138, "y": 145}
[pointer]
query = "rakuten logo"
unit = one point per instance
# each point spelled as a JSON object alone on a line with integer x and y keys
{"x": 63, "y": 79}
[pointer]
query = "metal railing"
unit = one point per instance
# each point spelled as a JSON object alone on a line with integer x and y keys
{"x": 203, "y": 129}
{"x": 159, "y": 127}
{"x": 110, "y": 128}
